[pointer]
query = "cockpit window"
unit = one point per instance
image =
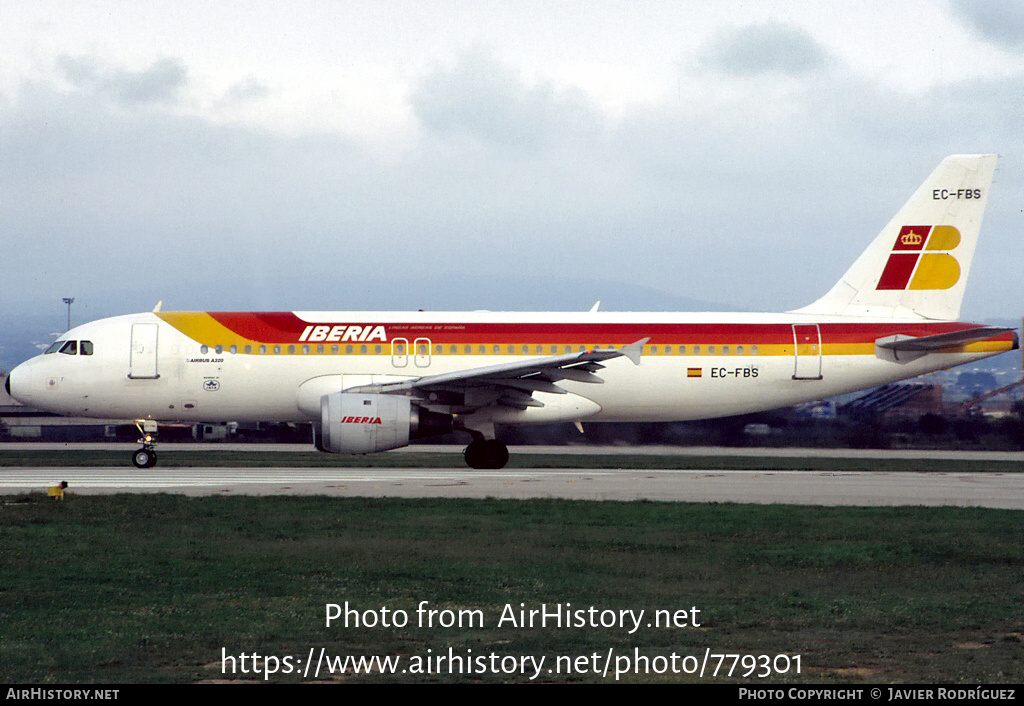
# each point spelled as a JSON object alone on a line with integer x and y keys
{"x": 70, "y": 348}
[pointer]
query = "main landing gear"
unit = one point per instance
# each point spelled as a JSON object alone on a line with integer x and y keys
{"x": 146, "y": 456}
{"x": 486, "y": 453}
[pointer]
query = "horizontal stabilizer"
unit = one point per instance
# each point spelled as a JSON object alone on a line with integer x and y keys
{"x": 924, "y": 344}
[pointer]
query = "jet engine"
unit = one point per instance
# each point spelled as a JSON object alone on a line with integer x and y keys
{"x": 357, "y": 423}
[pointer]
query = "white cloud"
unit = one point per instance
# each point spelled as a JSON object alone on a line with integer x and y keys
{"x": 248, "y": 89}
{"x": 161, "y": 82}
{"x": 1001, "y": 23}
{"x": 764, "y": 49}
{"x": 163, "y": 171}
{"x": 483, "y": 98}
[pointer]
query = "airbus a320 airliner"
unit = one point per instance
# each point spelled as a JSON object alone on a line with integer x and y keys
{"x": 372, "y": 381}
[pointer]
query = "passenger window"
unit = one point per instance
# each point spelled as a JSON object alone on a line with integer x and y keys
{"x": 739, "y": 350}
{"x": 204, "y": 349}
{"x": 248, "y": 349}
{"x": 70, "y": 348}
{"x": 291, "y": 350}
{"x": 218, "y": 350}
{"x": 305, "y": 350}
{"x": 711, "y": 350}
{"x": 86, "y": 348}
{"x": 234, "y": 349}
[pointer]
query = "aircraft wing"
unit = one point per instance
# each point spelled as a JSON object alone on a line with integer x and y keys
{"x": 508, "y": 384}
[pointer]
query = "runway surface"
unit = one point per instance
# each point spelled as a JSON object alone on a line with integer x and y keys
{"x": 994, "y": 490}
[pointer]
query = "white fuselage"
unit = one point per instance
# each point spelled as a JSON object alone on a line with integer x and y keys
{"x": 693, "y": 366}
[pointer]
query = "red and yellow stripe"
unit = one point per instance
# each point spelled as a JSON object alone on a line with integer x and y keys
{"x": 285, "y": 329}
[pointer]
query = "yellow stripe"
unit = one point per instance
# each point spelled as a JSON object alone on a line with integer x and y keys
{"x": 203, "y": 328}
{"x": 981, "y": 347}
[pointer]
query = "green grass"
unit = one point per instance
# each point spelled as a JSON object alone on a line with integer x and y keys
{"x": 151, "y": 588}
{"x": 185, "y": 457}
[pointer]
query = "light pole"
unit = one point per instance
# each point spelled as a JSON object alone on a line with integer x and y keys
{"x": 69, "y": 301}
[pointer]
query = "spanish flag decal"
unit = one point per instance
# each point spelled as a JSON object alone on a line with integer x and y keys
{"x": 918, "y": 260}
{"x": 693, "y": 372}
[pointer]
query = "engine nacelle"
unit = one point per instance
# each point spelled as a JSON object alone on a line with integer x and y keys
{"x": 357, "y": 423}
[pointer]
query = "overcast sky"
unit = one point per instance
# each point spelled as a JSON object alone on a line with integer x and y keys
{"x": 474, "y": 154}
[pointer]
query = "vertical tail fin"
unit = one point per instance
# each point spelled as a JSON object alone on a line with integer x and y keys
{"x": 918, "y": 264}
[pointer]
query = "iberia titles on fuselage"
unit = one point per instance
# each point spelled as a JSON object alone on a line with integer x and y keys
{"x": 372, "y": 381}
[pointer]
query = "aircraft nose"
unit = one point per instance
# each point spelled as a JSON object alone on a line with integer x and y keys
{"x": 15, "y": 383}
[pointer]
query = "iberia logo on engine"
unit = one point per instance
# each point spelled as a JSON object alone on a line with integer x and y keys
{"x": 917, "y": 260}
{"x": 361, "y": 420}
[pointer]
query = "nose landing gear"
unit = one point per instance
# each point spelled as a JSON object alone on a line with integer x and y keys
{"x": 146, "y": 456}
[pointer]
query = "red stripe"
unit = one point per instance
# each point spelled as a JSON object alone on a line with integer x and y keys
{"x": 285, "y": 327}
{"x": 264, "y": 327}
